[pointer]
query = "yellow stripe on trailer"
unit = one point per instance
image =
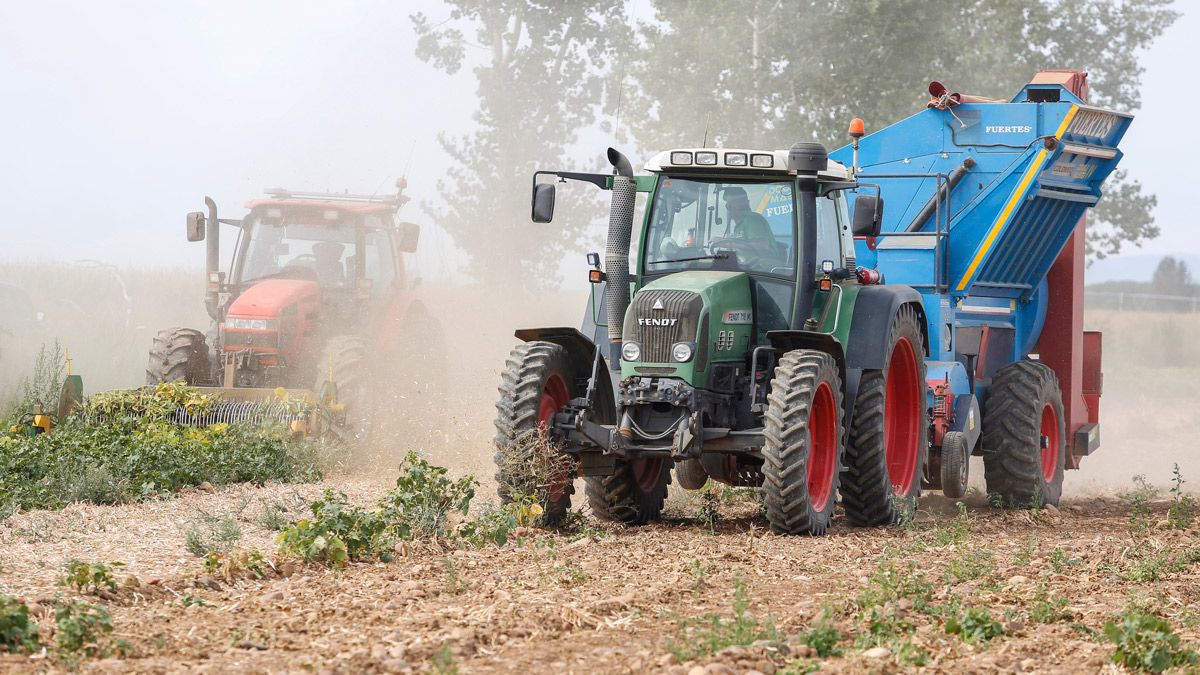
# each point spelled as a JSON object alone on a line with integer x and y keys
{"x": 1011, "y": 206}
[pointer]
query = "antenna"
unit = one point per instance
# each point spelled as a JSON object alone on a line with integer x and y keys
{"x": 704, "y": 143}
{"x": 617, "y": 121}
{"x": 411, "y": 148}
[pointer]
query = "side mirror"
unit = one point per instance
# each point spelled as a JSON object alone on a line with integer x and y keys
{"x": 868, "y": 216}
{"x": 410, "y": 234}
{"x": 543, "y": 202}
{"x": 195, "y": 226}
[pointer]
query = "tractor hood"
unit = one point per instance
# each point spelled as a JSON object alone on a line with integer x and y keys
{"x": 269, "y": 298}
{"x": 709, "y": 311}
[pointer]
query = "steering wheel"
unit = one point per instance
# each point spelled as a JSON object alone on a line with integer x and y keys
{"x": 725, "y": 243}
{"x": 302, "y": 260}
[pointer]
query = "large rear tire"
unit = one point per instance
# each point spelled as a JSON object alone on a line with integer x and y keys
{"x": 344, "y": 363}
{"x": 885, "y": 456}
{"x": 633, "y": 494}
{"x": 803, "y": 443}
{"x": 179, "y": 355}
{"x": 535, "y": 385}
{"x": 1024, "y": 436}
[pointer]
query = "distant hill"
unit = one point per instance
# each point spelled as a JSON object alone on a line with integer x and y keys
{"x": 1135, "y": 267}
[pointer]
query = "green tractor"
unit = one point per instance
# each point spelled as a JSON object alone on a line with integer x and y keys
{"x": 745, "y": 347}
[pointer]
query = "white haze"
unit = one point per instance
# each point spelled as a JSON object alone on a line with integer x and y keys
{"x": 120, "y": 117}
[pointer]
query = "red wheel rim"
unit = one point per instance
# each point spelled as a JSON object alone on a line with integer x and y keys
{"x": 646, "y": 473}
{"x": 1050, "y": 443}
{"x": 902, "y": 417}
{"x": 822, "y": 443}
{"x": 555, "y": 395}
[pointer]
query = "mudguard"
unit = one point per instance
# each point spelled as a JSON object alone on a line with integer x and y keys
{"x": 873, "y": 312}
{"x": 581, "y": 353}
{"x": 787, "y": 340}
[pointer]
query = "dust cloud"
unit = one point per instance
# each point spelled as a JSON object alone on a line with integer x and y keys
{"x": 105, "y": 318}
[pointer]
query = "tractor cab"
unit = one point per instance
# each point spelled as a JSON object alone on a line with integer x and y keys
{"x": 726, "y": 216}
{"x": 306, "y": 267}
{"x": 351, "y": 251}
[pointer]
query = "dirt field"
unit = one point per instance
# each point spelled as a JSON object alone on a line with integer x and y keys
{"x": 613, "y": 599}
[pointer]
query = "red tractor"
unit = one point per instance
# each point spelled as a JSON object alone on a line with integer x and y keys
{"x": 318, "y": 300}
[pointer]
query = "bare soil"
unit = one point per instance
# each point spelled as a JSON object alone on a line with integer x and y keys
{"x": 604, "y": 598}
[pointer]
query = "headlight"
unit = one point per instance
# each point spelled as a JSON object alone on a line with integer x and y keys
{"x": 250, "y": 324}
{"x": 708, "y": 158}
{"x": 735, "y": 158}
{"x": 681, "y": 352}
{"x": 762, "y": 161}
{"x": 631, "y": 351}
{"x": 681, "y": 158}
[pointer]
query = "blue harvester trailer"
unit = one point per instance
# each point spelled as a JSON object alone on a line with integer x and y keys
{"x": 985, "y": 215}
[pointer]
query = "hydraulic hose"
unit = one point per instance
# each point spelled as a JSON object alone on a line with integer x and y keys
{"x": 931, "y": 206}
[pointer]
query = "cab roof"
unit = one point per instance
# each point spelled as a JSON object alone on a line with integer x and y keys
{"x": 742, "y": 161}
{"x": 358, "y": 208}
{"x": 343, "y": 201}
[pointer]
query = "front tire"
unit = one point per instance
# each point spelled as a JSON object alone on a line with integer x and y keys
{"x": 178, "y": 355}
{"x": 886, "y": 453}
{"x": 803, "y": 443}
{"x": 345, "y": 367}
{"x": 1024, "y": 436}
{"x": 535, "y": 385}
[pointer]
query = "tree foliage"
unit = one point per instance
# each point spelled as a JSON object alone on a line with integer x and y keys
{"x": 757, "y": 73}
{"x": 768, "y": 73}
{"x": 1172, "y": 277}
{"x": 543, "y": 70}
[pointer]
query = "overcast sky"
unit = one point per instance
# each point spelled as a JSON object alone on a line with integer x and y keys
{"x": 119, "y": 118}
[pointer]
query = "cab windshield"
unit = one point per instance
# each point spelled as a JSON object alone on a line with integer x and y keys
{"x": 307, "y": 244}
{"x": 706, "y": 224}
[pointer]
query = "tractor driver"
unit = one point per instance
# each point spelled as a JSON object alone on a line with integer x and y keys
{"x": 752, "y": 236}
{"x": 328, "y": 255}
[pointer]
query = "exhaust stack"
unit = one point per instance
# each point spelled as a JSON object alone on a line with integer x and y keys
{"x": 212, "y": 260}
{"x": 616, "y": 258}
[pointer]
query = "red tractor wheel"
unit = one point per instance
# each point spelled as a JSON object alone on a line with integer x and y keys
{"x": 1024, "y": 436}
{"x": 886, "y": 453}
{"x": 535, "y": 385}
{"x": 179, "y": 355}
{"x": 344, "y": 363}
{"x": 803, "y": 443}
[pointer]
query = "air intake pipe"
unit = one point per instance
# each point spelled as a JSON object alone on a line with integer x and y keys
{"x": 931, "y": 206}
{"x": 616, "y": 253}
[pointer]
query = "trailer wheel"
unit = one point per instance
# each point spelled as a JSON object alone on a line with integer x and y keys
{"x": 803, "y": 443}
{"x": 178, "y": 355}
{"x": 1024, "y": 436}
{"x": 955, "y": 463}
{"x": 535, "y": 385}
{"x": 690, "y": 474}
{"x": 633, "y": 494}
{"x": 886, "y": 451}
{"x": 344, "y": 365}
